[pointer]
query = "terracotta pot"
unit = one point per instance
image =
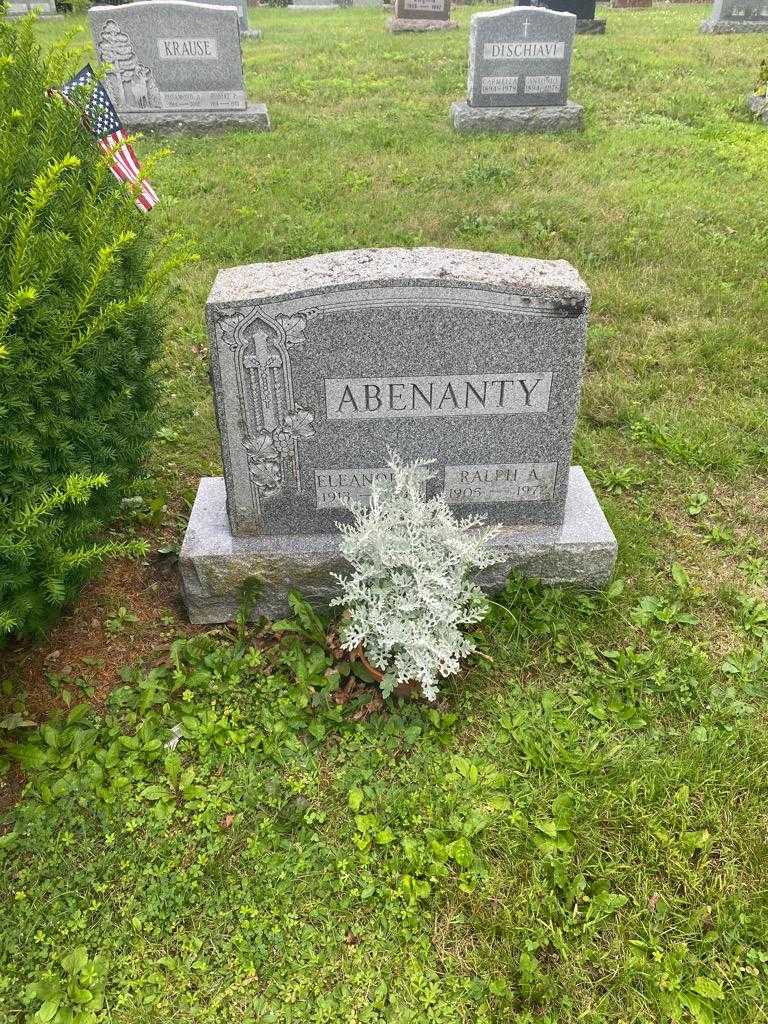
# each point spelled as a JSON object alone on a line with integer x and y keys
{"x": 333, "y": 643}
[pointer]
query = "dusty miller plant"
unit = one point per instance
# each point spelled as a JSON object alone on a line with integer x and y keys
{"x": 410, "y": 593}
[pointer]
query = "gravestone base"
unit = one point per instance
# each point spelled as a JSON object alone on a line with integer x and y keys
{"x": 590, "y": 26}
{"x": 255, "y": 117}
{"x": 724, "y": 27}
{"x": 214, "y": 564}
{"x": 759, "y": 106}
{"x": 476, "y": 120}
{"x": 419, "y": 25}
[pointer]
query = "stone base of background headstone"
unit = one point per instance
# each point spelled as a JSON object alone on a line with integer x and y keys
{"x": 726, "y": 27}
{"x": 590, "y": 26}
{"x": 214, "y": 565}
{"x": 255, "y": 117}
{"x": 307, "y": 5}
{"x": 632, "y": 4}
{"x": 759, "y": 106}
{"x": 478, "y": 120}
{"x": 423, "y": 25}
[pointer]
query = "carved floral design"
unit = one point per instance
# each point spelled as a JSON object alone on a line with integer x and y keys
{"x": 275, "y": 424}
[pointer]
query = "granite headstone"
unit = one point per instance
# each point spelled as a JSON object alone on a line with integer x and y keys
{"x": 519, "y": 67}
{"x": 730, "y": 16}
{"x": 322, "y": 366}
{"x": 242, "y": 14}
{"x": 586, "y": 22}
{"x": 421, "y": 16}
{"x": 175, "y": 63}
{"x": 44, "y": 8}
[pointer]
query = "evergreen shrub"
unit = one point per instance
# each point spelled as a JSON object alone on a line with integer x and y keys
{"x": 79, "y": 331}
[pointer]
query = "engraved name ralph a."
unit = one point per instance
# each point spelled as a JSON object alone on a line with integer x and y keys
{"x": 491, "y": 394}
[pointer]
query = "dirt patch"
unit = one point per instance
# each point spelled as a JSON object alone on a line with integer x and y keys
{"x": 85, "y": 652}
{"x": 129, "y": 615}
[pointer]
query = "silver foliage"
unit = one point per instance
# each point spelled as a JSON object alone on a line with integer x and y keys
{"x": 410, "y": 593}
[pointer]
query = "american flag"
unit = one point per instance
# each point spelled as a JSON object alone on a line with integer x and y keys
{"x": 100, "y": 118}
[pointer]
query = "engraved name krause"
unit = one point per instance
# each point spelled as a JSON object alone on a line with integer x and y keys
{"x": 424, "y": 5}
{"x": 490, "y": 394}
{"x": 520, "y": 49}
{"x": 525, "y": 481}
{"x": 187, "y": 49}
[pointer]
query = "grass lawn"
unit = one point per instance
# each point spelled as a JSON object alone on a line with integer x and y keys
{"x": 578, "y": 831}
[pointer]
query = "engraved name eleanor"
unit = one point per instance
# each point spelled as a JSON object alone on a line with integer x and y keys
{"x": 491, "y": 394}
{"x": 335, "y": 487}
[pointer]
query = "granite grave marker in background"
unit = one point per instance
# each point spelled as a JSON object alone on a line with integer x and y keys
{"x": 737, "y": 16}
{"x": 44, "y": 8}
{"x": 175, "y": 64}
{"x": 421, "y": 16}
{"x": 322, "y": 366}
{"x": 586, "y": 22}
{"x": 519, "y": 67}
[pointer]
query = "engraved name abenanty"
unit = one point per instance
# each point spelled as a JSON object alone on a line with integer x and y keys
{"x": 489, "y": 394}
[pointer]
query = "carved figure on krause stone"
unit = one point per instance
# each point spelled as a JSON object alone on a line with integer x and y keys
{"x": 132, "y": 84}
{"x": 274, "y": 423}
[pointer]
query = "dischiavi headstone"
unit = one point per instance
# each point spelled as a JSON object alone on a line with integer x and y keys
{"x": 175, "y": 63}
{"x": 737, "y": 16}
{"x": 519, "y": 67}
{"x": 586, "y": 22}
{"x": 421, "y": 16}
{"x": 323, "y": 366}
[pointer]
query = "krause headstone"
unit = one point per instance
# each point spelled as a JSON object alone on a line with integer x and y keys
{"x": 519, "y": 67}
{"x": 175, "y": 63}
{"x": 737, "y": 16}
{"x": 322, "y": 366}
{"x": 586, "y": 22}
{"x": 421, "y": 16}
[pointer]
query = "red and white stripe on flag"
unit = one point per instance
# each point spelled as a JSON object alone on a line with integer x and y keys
{"x": 125, "y": 167}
